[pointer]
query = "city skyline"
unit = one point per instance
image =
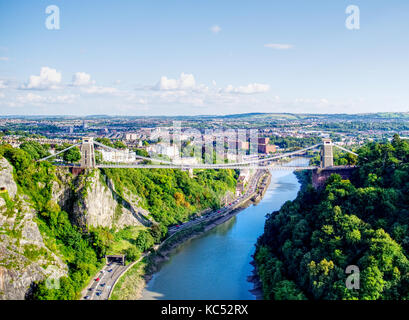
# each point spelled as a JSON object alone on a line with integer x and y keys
{"x": 213, "y": 58}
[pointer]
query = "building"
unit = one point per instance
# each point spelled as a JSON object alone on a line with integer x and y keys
{"x": 267, "y": 148}
{"x": 124, "y": 156}
{"x": 171, "y": 151}
{"x": 264, "y": 147}
{"x": 263, "y": 140}
{"x": 131, "y": 136}
{"x": 242, "y": 181}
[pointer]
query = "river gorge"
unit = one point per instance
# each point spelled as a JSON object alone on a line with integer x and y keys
{"x": 216, "y": 265}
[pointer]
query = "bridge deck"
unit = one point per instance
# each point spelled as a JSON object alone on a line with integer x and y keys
{"x": 147, "y": 166}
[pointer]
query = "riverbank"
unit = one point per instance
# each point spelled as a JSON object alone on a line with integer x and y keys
{"x": 302, "y": 177}
{"x": 131, "y": 287}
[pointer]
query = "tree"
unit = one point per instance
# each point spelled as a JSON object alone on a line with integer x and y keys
{"x": 35, "y": 149}
{"x": 72, "y": 155}
{"x": 105, "y": 141}
{"x": 132, "y": 254}
{"x": 142, "y": 152}
{"x": 119, "y": 145}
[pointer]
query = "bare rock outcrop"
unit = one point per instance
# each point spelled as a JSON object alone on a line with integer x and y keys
{"x": 24, "y": 257}
{"x": 100, "y": 205}
{"x": 6, "y": 177}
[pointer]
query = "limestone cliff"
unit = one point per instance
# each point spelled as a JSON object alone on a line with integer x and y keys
{"x": 92, "y": 201}
{"x": 24, "y": 257}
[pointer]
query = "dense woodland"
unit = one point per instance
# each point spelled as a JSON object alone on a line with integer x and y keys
{"x": 170, "y": 196}
{"x": 308, "y": 244}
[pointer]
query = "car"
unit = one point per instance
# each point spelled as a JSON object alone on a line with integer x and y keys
{"x": 110, "y": 270}
{"x": 229, "y": 204}
{"x": 177, "y": 226}
{"x": 102, "y": 284}
{"x": 97, "y": 279}
{"x": 219, "y": 211}
{"x": 86, "y": 297}
{"x": 98, "y": 294}
{"x": 90, "y": 289}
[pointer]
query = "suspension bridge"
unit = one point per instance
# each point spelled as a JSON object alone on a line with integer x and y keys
{"x": 284, "y": 161}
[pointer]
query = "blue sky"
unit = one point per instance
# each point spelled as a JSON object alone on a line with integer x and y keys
{"x": 179, "y": 57}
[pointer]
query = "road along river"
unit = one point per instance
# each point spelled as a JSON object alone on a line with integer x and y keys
{"x": 216, "y": 264}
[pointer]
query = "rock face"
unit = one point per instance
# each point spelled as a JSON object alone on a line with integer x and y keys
{"x": 89, "y": 199}
{"x": 6, "y": 177}
{"x": 24, "y": 257}
{"x": 93, "y": 202}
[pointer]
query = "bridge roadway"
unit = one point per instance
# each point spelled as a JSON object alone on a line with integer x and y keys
{"x": 209, "y": 166}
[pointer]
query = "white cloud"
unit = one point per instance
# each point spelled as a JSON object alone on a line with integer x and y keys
{"x": 249, "y": 89}
{"x": 215, "y": 29}
{"x": 99, "y": 90}
{"x": 2, "y": 95}
{"x": 2, "y": 84}
{"x": 48, "y": 79}
{"x": 31, "y": 98}
{"x": 80, "y": 79}
{"x": 279, "y": 46}
{"x": 185, "y": 81}
{"x": 4, "y": 58}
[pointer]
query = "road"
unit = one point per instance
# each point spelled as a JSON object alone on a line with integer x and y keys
{"x": 99, "y": 290}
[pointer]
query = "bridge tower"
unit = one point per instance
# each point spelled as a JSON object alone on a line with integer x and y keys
{"x": 87, "y": 153}
{"x": 327, "y": 158}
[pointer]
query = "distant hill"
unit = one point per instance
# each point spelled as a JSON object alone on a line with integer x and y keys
{"x": 242, "y": 116}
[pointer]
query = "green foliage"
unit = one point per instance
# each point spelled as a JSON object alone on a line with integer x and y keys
{"x": 144, "y": 241}
{"x": 105, "y": 141}
{"x": 73, "y": 155}
{"x": 132, "y": 254}
{"x": 142, "y": 153}
{"x": 119, "y": 145}
{"x": 171, "y": 195}
{"x": 293, "y": 142}
{"x": 35, "y": 179}
{"x": 35, "y": 150}
{"x": 310, "y": 241}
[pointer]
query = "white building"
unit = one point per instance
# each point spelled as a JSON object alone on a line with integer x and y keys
{"x": 171, "y": 151}
{"x": 131, "y": 136}
{"x": 125, "y": 156}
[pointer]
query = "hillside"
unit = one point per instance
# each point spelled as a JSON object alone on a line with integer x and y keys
{"x": 55, "y": 227}
{"x": 308, "y": 244}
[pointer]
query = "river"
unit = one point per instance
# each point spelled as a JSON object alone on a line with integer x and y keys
{"x": 215, "y": 266}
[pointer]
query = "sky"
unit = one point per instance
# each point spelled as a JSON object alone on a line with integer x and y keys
{"x": 196, "y": 57}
